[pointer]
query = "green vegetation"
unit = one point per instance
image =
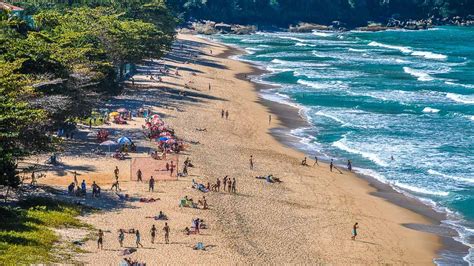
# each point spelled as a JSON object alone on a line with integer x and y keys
{"x": 284, "y": 12}
{"x": 26, "y": 234}
{"x": 61, "y": 61}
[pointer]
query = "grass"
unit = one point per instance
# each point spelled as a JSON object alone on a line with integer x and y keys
{"x": 85, "y": 121}
{"x": 26, "y": 235}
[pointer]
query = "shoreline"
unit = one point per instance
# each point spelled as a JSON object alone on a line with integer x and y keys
{"x": 292, "y": 119}
{"x": 306, "y": 219}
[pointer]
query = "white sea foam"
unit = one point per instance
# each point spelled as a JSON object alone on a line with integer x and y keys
{"x": 305, "y": 44}
{"x": 458, "y": 178}
{"x": 321, "y": 113}
{"x": 420, "y": 190}
{"x": 313, "y": 84}
{"x": 430, "y": 110}
{"x": 409, "y": 50}
{"x": 341, "y": 144}
{"x": 357, "y": 50}
{"x": 371, "y": 173}
{"x": 421, "y": 75}
{"x": 402, "y": 49}
{"x": 430, "y": 55}
{"x": 292, "y": 38}
{"x": 469, "y": 86}
{"x": 466, "y": 99}
{"x": 322, "y": 34}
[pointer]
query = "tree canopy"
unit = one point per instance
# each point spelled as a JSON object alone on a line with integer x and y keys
{"x": 61, "y": 65}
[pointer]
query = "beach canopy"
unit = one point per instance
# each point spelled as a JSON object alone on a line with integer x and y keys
{"x": 155, "y": 116}
{"x": 113, "y": 114}
{"x": 124, "y": 140}
{"x": 122, "y": 110}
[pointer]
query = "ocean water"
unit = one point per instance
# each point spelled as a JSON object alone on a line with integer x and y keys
{"x": 371, "y": 96}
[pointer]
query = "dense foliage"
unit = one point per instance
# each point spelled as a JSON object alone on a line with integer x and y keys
{"x": 57, "y": 64}
{"x": 283, "y": 12}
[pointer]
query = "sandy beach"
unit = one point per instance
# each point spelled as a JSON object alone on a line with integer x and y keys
{"x": 307, "y": 218}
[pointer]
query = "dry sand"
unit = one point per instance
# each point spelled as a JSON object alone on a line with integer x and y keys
{"x": 306, "y": 219}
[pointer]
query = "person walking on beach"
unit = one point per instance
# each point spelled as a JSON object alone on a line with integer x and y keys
{"x": 229, "y": 187}
{"x": 153, "y": 234}
{"x": 75, "y": 178}
{"x": 222, "y": 113}
{"x": 315, "y": 161}
{"x": 139, "y": 176}
{"x": 354, "y": 231}
{"x": 116, "y": 186}
{"x": 331, "y": 165}
{"x": 151, "y": 184}
{"x": 196, "y": 225}
{"x": 349, "y": 165}
{"x": 121, "y": 237}
{"x": 227, "y": 114}
{"x": 167, "y": 233}
{"x": 251, "y": 162}
{"x": 171, "y": 168}
{"x": 138, "y": 238}
{"x": 218, "y": 184}
{"x": 269, "y": 119}
{"x": 83, "y": 187}
{"x": 116, "y": 173}
{"x": 234, "y": 190}
{"x": 100, "y": 239}
{"x": 209, "y": 86}
{"x": 225, "y": 182}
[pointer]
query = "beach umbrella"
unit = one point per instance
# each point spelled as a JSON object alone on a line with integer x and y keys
{"x": 124, "y": 140}
{"x": 108, "y": 143}
{"x": 165, "y": 134}
{"x": 155, "y": 116}
{"x": 114, "y": 114}
{"x": 122, "y": 110}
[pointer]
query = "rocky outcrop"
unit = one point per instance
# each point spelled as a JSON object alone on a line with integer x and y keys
{"x": 211, "y": 27}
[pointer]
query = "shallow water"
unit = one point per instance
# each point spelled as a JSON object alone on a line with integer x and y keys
{"x": 371, "y": 96}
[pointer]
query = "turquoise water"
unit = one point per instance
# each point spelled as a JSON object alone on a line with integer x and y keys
{"x": 371, "y": 96}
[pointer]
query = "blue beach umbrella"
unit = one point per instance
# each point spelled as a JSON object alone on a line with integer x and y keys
{"x": 124, "y": 140}
{"x": 163, "y": 138}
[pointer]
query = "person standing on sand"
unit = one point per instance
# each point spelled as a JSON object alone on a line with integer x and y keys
{"x": 222, "y": 113}
{"x": 121, "y": 237}
{"x": 167, "y": 233}
{"x": 229, "y": 187}
{"x": 251, "y": 162}
{"x": 75, "y": 178}
{"x": 209, "y": 86}
{"x": 100, "y": 239}
{"x": 151, "y": 184}
{"x": 116, "y": 173}
{"x": 269, "y": 119}
{"x": 227, "y": 114}
{"x": 153, "y": 234}
{"x": 331, "y": 165}
{"x": 225, "y": 182}
{"x": 315, "y": 161}
{"x": 139, "y": 176}
{"x": 218, "y": 185}
{"x": 171, "y": 168}
{"x": 349, "y": 165}
{"x": 234, "y": 190}
{"x": 138, "y": 238}
{"x": 354, "y": 231}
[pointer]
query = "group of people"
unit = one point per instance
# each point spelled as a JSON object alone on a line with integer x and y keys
{"x": 227, "y": 182}
{"x": 121, "y": 236}
{"x": 304, "y": 162}
{"x": 225, "y": 114}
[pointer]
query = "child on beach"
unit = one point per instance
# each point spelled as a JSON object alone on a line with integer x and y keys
{"x": 167, "y": 233}
{"x": 354, "y": 231}
{"x": 100, "y": 239}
